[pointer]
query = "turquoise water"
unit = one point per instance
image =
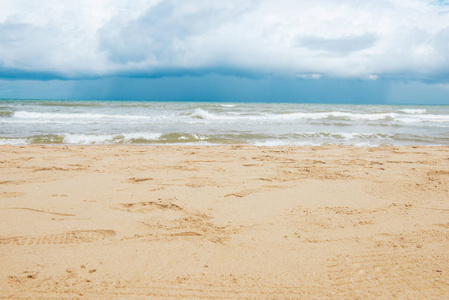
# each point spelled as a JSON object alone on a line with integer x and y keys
{"x": 128, "y": 122}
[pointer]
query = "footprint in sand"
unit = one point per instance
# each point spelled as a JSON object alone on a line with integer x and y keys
{"x": 142, "y": 207}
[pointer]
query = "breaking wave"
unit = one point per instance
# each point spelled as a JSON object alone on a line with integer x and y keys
{"x": 127, "y": 122}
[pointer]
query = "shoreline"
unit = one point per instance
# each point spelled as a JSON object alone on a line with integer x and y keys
{"x": 223, "y": 221}
{"x": 324, "y": 146}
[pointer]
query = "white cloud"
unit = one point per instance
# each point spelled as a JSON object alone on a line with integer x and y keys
{"x": 308, "y": 76}
{"x": 333, "y": 38}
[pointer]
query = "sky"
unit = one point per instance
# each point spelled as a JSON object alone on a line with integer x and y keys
{"x": 338, "y": 51}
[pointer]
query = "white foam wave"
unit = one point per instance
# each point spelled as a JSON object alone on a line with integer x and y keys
{"x": 194, "y": 136}
{"x": 413, "y": 111}
{"x": 204, "y": 114}
{"x": 144, "y": 136}
{"x": 14, "y": 121}
{"x": 369, "y": 117}
{"x": 416, "y": 117}
{"x": 423, "y": 118}
{"x": 19, "y": 141}
{"x": 345, "y": 135}
{"x": 341, "y": 138}
{"x": 85, "y": 139}
{"x": 406, "y": 116}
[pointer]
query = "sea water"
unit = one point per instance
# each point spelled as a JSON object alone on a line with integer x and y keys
{"x": 199, "y": 123}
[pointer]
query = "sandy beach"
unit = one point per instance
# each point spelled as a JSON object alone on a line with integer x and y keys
{"x": 224, "y": 222}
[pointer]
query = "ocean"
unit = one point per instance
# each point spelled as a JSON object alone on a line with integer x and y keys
{"x": 199, "y": 123}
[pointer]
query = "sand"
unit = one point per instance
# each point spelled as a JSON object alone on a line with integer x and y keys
{"x": 224, "y": 222}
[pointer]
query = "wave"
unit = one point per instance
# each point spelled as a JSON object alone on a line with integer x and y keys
{"x": 201, "y": 115}
{"x": 86, "y": 139}
{"x": 6, "y": 114}
{"x": 204, "y": 114}
{"x": 344, "y": 135}
{"x": 44, "y": 115}
{"x": 414, "y": 117}
{"x": 36, "y": 139}
{"x": 423, "y": 118}
{"x": 298, "y": 139}
{"x": 14, "y": 141}
{"x": 221, "y": 123}
{"x": 99, "y": 139}
{"x": 413, "y": 111}
{"x": 83, "y": 139}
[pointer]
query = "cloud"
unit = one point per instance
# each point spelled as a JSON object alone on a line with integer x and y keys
{"x": 163, "y": 34}
{"x": 404, "y": 39}
{"x": 343, "y": 45}
{"x": 308, "y": 76}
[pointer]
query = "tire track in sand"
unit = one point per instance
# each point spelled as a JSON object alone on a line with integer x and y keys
{"x": 69, "y": 237}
